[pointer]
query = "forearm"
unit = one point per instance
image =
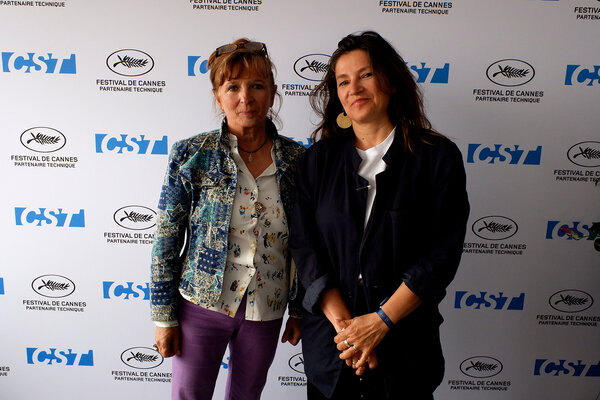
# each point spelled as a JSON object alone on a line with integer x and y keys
{"x": 401, "y": 303}
{"x": 334, "y": 308}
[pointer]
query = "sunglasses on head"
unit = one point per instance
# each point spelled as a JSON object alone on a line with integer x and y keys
{"x": 230, "y": 48}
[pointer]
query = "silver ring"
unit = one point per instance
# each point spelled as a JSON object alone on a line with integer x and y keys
{"x": 155, "y": 346}
{"x": 348, "y": 345}
{"x": 353, "y": 348}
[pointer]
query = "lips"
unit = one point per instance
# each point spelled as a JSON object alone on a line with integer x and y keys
{"x": 359, "y": 102}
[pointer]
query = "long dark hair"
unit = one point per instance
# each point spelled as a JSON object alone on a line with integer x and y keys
{"x": 406, "y": 105}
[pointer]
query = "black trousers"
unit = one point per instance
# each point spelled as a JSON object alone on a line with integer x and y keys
{"x": 370, "y": 386}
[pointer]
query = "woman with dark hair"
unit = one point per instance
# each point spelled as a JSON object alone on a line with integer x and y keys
{"x": 377, "y": 232}
{"x": 220, "y": 273}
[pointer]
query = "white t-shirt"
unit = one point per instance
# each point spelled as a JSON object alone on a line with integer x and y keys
{"x": 372, "y": 164}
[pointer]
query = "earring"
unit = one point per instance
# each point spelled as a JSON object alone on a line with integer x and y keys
{"x": 343, "y": 121}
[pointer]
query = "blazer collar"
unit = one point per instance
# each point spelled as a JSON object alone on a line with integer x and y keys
{"x": 391, "y": 157}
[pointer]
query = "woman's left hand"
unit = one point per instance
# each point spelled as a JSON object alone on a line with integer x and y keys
{"x": 362, "y": 334}
{"x": 292, "y": 331}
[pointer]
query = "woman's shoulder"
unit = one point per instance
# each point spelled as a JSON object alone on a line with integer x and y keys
{"x": 193, "y": 144}
{"x": 326, "y": 146}
{"x": 290, "y": 147}
{"x": 434, "y": 142}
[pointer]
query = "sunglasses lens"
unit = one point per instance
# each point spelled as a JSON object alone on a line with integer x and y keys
{"x": 228, "y": 48}
{"x": 254, "y": 46}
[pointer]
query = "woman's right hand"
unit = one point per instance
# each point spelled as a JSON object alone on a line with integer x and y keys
{"x": 168, "y": 341}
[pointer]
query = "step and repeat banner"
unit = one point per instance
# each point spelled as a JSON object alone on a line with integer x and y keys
{"x": 94, "y": 93}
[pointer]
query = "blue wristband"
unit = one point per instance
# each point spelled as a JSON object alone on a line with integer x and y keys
{"x": 385, "y": 318}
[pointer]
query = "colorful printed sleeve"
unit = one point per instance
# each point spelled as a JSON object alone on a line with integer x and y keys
{"x": 173, "y": 215}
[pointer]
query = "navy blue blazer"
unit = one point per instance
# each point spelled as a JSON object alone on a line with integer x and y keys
{"x": 414, "y": 235}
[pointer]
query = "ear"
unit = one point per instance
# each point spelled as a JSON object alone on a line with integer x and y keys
{"x": 217, "y": 100}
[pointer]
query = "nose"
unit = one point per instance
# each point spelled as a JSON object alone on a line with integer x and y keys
{"x": 355, "y": 86}
{"x": 245, "y": 94}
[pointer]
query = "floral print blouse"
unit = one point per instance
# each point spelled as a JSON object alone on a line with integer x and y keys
{"x": 257, "y": 247}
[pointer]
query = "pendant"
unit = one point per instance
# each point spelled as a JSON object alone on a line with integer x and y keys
{"x": 250, "y": 157}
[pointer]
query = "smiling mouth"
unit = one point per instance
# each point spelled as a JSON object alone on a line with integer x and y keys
{"x": 359, "y": 101}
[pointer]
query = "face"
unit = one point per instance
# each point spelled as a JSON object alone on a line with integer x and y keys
{"x": 358, "y": 88}
{"x": 245, "y": 99}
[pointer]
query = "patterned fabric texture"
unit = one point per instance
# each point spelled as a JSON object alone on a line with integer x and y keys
{"x": 194, "y": 213}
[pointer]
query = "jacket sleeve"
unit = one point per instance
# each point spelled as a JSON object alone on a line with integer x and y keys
{"x": 314, "y": 271}
{"x": 169, "y": 239}
{"x": 436, "y": 265}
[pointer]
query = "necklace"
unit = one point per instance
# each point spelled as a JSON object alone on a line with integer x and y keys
{"x": 253, "y": 151}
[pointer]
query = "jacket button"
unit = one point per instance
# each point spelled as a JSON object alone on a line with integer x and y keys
{"x": 349, "y": 295}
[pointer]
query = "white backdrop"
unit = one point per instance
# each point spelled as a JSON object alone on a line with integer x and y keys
{"x": 94, "y": 93}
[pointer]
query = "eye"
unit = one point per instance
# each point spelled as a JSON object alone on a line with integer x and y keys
{"x": 367, "y": 75}
{"x": 342, "y": 83}
{"x": 258, "y": 86}
{"x": 231, "y": 88}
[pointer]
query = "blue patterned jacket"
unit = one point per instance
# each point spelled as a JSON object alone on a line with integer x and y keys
{"x": 195, "y": 211}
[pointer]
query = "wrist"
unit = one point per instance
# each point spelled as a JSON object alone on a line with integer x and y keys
{"x": 384, "y": 317}
{"x": 382, "y": 314}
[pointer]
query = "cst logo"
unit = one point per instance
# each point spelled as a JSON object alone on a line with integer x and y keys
{"x": 141, "y": 358}
{"x": 565, "y": 368}
{"x": 1, "y": 285}
{"x": 136, "y": 218}
{"x": 53, "y": 286}
{"x": 481, "y": 300}
{"x": 312, "y": 67}
{"x": 42, "y": 63}
{"x": 510, "y": 72}
{"x": 130, "y": 144}
{"x": 481, "y": 367}
{"x": 130, "y": 62}
{"x": 577, "y": 74}
{"x": 296, "y": 362}
{"x": 127, "y": 291}
{"x": 197, "y": 66}
{"x": 585, "y": 154}
{"x": 503, "y": 154}
{"x": 494, "y": 227}
{"x": 571, "y": 301}
{"x": 574, "y": 231}
{"x": 426, "y": 74}
{"x": 43, "y": 140}
{"x": 58, "y": 217}
{"x": 51, "y": 356}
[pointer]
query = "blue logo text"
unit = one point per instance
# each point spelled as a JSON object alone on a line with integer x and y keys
{"x": 427, "y": 74}
{"x": 58, "y": 217}
{"x": 130, "y": 144}
{"x": 51, "y": 356}
{"x": 563, "y": 368}
{"x": 481, "y": 300}
{"x": 116, "y": 290}
{"x": 503, "y": 154}
{"x": 197, "y": 66}
{"x": 41, "y": 63}
{"x": 576, "y": 74}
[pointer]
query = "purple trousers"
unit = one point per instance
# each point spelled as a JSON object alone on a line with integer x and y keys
{"x": 205, "y": 335}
